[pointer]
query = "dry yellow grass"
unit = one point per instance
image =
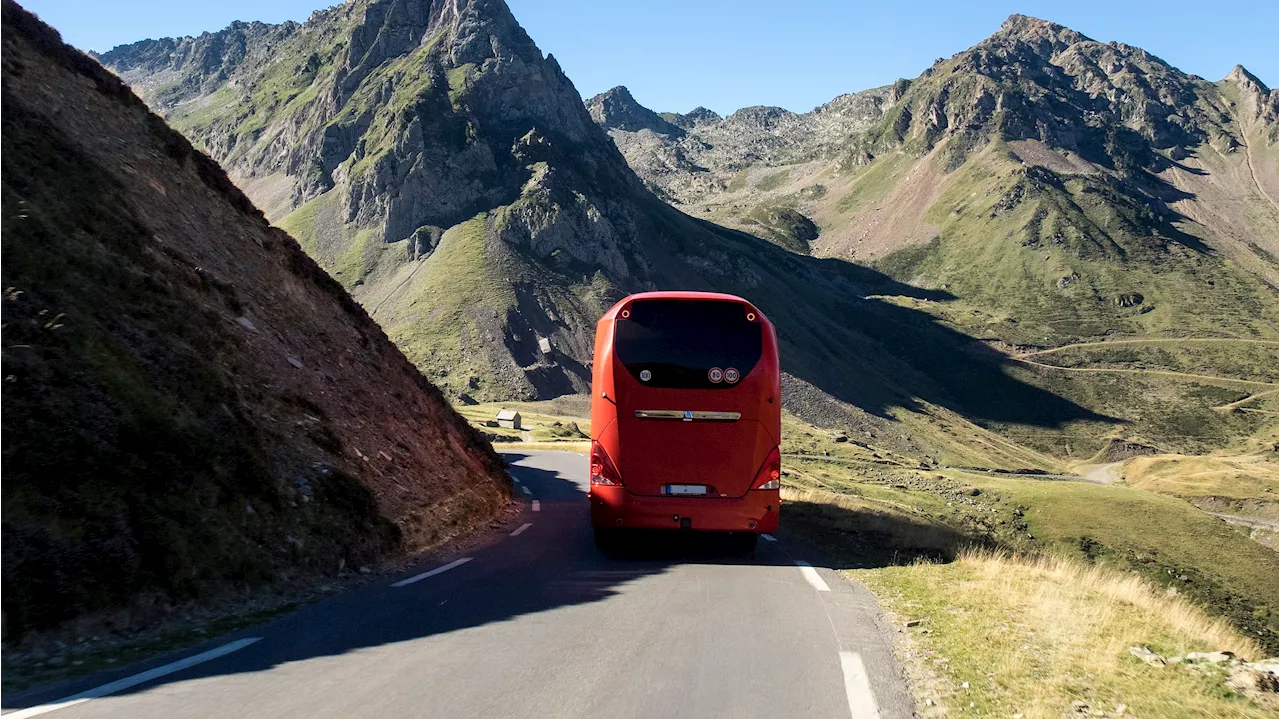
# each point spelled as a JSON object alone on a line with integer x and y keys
{"x": 1032, "y": 634}
{"x": 1127, "y": 591}
{"x": 1238, "y": 477}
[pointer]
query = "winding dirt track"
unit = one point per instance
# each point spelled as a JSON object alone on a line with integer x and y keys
{"x": 1167, "y": 373}
{"x": 1154, "y": 340}
{"x": 1271, "y": 388}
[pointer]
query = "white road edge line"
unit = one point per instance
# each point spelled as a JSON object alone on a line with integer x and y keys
{"x": 811, "y": 575}
{"x": 521, "y": 528}
{"x": 432, "y": 573}
{"x": 525, "y": 489}
{"x": 857, "y": 687}
{"x": 122, "y": 684}
{"x": 537, "y": 506}
{"x": 769, "y": 537}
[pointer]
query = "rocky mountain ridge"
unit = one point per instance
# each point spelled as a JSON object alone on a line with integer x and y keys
{"x": 1063, "y": 191}
{"x": 1110, "y": 103}
{"x": 1049, "y": 96}
{"x": 685, "y": 158}
{"x": 617, "y": 108}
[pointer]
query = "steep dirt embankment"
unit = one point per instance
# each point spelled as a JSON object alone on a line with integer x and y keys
{"x": 190, "y": 403}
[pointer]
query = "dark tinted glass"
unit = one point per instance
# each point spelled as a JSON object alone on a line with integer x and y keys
{"x": 679, "y": 341}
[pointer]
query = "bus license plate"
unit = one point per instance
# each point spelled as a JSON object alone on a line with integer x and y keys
{"x": 686, "y": 489}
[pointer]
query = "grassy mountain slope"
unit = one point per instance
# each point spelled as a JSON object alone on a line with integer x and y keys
{"x": 191, "y": 404}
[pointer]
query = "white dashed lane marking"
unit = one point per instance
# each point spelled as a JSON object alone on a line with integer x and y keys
{"x": 537, "y": 506}
{"x": 121, "y": 684}
{"x": 811, "y": 575}
{"x": 769, "y": 537}
{"x": 521, "y": 528}
{"x": 432, "y": 573}
{"x": 857, "y": 687}
{"x": 525, "y": 489}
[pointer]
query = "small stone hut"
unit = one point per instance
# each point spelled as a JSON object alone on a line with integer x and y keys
{"x": 509, "y": 418}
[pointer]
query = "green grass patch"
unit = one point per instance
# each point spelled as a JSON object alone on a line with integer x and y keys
{"x": 773, "y": 181}
{"x": 460, "y": 79}
{"x": 874, "y": 182}
{"x": 784, "y": 226}
{"x": 439, "y": 317}
{"x": 561, "y": 420}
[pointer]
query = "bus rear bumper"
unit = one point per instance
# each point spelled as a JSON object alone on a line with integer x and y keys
{"x": 616, "y": 507}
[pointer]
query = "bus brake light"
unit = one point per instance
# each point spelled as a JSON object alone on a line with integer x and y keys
{"x": 602, "y": 470}
{"x": 770, "y": 474}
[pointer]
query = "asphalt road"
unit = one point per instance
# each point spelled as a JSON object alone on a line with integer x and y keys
{"x": 537, "y": 622}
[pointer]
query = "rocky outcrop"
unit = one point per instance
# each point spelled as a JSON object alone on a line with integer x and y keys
{"x": 181, "y": 67}
{"x": 386, "y": 113}
{"x": 692, "y": 165}
{"x": 695, "y": 117}
{"x": 1257, "y": 101}
{"x": 616, "y": 109}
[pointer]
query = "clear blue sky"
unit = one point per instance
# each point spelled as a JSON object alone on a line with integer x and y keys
{"x": 727, "y": 54}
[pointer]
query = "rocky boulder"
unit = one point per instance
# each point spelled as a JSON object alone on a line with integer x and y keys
{"x": 616, "y": 109}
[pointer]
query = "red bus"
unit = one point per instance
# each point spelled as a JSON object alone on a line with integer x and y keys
{"x": 686, "y": 417}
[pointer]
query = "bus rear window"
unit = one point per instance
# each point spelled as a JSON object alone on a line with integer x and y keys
{"x": 676, "y": 343}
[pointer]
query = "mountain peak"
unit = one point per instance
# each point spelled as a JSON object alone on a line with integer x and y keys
{"x": 764, "y": 117}
{"x": 616, "y": 109}
{"x": 700, "y": 115}
{"x": 1243, "y": 76}
{"x": 1257, "y": 101}
{"x": 1047, "y": 37}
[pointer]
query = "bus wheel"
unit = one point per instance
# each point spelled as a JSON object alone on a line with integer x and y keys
{"x": 746, "y": 542}
{"x": 606, "y": 538}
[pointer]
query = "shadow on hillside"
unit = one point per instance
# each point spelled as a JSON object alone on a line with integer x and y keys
{"x": 850, "y": 539}
{"x": 553, "y": 566}
{"x": 840, "y": 333}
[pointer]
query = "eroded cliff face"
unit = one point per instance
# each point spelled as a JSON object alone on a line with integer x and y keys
{"x": 192, "y": 404}
{"x": 413, "y": 109}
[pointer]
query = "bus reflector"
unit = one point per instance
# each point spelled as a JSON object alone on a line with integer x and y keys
{"x": 602, "y": 470}
{"x": 770, "y": 474}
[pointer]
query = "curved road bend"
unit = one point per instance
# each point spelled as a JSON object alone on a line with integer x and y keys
{"x": 539, "y": 623}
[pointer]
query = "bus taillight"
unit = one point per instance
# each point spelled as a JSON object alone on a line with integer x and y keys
{"x": 602, "y": 469}
{"x": 770, "y": 474}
